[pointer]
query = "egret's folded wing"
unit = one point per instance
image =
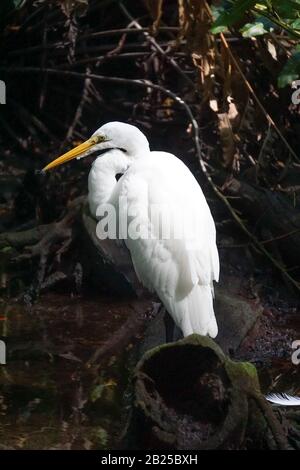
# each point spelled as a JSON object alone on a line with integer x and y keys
{"x": 175, "y": 264}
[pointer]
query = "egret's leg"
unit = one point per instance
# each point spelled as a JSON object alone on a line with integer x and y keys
{"x": 169, "y": 326}
{"x": 173, "y": 333}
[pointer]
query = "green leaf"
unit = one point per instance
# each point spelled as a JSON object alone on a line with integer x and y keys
{"x": 97, "y": 392}
{"x": 101, "y": 435}
{"x": 261, "y": 25}
{"x": 8, "y": 6}
{"x": 219, "y": 29}
{"x": 251, "y": 30}
{"x": 19, "y": 3}
{"x": 230, "y": 16}
{"x": 291, "y": 70}
{"x": 287, "y": 8}
{"x": 261, "y": 6}
{"x": 296, "y": 24}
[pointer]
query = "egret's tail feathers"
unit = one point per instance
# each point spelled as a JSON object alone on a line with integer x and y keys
{"x": 195, "y": 313}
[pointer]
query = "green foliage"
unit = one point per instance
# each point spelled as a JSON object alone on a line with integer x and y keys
{"x": 287, "y": 9}
{"x": 230, "y": 13}
{"x": 291, "y": 70}
{"x": 16, "y": 3}
{"x": 253, "y": 19}
{"x": 7, "y": 7}
{"x": 284, "y": 14}
{"x": 250, "y": 30}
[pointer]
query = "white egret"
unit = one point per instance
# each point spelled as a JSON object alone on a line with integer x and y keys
{"x": 181, "y": 270}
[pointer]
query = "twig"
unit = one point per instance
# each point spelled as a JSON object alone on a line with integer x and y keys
{"x": 24, "y": 238}
{"x": 263, "y": 147}
{"x": 290, "y": 189}
{"x": 104, "y": 58}
{"x": 57, "y": 231}
{"x": 102, "y": 78}
{"x": 79, "y": 110}
{"x": 156, "y": 46}
{"x": 43, "y": 62}
{"x": 271, "y": 419}
{"x": 31, "y": 117}
{"x": 127, "y": 31}
{"x": 119, "y": 339}
{"x": 280, "y": 237}
{"x": 22, "y": 144}
{"x": 54, "y": 45}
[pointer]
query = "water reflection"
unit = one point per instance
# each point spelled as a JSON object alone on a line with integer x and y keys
{"x": 49, "y": 398}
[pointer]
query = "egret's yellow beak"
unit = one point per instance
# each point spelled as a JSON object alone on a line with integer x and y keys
{"x": 75, "y": 152}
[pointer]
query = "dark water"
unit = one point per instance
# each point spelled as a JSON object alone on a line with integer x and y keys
{"x": 49, "y": 397}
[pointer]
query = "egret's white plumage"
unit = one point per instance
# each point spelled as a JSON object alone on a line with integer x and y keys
{"x": 181, "y": 270}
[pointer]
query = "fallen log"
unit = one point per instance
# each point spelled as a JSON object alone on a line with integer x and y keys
{"x": 189, "y": 395}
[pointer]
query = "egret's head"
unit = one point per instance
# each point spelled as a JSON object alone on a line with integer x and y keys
{"x": 113, "y": 135}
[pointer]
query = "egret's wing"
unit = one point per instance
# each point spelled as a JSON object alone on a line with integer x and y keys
{"x": 152, "y": 257}
{"x": 169, "y": 265}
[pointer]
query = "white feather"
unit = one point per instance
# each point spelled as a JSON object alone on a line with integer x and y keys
{"x": 181, "y": 270}
{"x": 283, "y": 399}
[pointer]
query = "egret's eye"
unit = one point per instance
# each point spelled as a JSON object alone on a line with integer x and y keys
{"x": 97, "y": 139}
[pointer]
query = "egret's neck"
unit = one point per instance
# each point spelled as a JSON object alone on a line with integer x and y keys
{"x": 102, "y": 177}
